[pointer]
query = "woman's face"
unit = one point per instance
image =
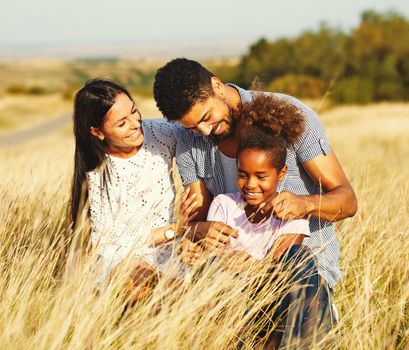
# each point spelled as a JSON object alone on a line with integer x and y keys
{"x": 257, "y": 178}
{"x": 121, "y": 129}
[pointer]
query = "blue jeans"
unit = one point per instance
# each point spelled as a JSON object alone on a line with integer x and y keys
{"x": 304, "y": 307}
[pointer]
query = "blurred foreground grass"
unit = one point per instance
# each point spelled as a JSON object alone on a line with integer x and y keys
{"x": 39, "y": 309}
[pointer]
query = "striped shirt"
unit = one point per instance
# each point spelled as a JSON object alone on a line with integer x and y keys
{"x": 198, "y": 159}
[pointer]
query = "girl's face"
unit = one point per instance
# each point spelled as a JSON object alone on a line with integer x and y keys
{"x": 121, "y": 129}
{"x": 257, "y": 178}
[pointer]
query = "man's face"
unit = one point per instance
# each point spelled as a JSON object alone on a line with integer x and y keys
{"x": 211, "y": 117}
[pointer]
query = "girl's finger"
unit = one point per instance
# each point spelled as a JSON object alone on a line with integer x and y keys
{"x": 194, "y": 251}
{"x": 213, "y": 243}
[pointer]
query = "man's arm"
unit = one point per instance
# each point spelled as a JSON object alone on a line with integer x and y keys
{"x": 337, "y": 201}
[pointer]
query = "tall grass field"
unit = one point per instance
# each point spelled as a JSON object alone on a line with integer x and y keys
{"x": 44, "y": 306}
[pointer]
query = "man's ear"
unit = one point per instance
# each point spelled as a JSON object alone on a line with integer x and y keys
{"x": 282, "y": 173}
{"x": 217, "y": 85}
{"x": 97, "y": 133}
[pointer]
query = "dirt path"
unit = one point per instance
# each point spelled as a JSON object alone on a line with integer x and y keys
{"x": 20, "y": 136}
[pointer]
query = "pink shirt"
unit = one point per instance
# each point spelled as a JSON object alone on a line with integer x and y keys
{"x": 255, "y": 239}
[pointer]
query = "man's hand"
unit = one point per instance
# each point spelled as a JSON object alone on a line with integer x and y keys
{"x": 286, "y": 206}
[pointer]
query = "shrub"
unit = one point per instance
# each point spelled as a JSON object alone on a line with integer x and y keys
{"x": 16, "y": 89}
{"x": 298, "y": 85}
{"x": 353, "y": 90}
{"x": 36, "y": 90}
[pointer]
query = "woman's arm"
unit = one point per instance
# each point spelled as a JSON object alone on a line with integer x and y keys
{"x": 187, "y": 213}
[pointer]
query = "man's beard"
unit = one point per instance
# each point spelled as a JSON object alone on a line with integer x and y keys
{"x": 231, "y": 124}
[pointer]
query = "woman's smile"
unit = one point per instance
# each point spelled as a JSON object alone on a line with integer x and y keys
{"x": 135, "y": 134}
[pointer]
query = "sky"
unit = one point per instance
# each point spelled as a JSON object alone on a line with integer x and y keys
{"x": 51, "y": 24}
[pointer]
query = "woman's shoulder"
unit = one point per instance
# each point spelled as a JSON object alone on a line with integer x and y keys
{"x": 94, "y": 180}
{"x": 161, "y": 126}
{"x": 161, "y": 132}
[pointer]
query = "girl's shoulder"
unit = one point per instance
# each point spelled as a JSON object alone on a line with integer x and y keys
{"x": 300, "y": 226}
{"x": 229, "y": 199}
{"x": 225, "y": 207}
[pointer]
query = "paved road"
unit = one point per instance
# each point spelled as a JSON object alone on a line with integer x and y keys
{"x": 21, "y": 136}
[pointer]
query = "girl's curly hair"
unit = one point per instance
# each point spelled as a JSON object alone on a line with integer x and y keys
{"x": 269, "y": 124}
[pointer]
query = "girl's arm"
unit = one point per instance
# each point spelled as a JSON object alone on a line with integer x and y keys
{"x": 237, "y": 261}
{"x": 285, "y": 242}
{"x": 290, "y": 233}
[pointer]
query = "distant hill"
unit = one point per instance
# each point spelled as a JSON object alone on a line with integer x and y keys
{"x": 199, "y": 49}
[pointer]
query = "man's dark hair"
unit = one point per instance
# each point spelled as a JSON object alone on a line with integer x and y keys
{"x": 179, "y": 85}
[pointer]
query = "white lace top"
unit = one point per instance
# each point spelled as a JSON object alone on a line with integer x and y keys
{"x": 135, "y": 195}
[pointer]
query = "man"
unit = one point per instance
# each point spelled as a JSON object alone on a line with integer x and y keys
{"x": 315, "y": 185}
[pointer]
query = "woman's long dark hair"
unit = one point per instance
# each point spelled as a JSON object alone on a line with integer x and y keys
{"x": 91, "y": 104}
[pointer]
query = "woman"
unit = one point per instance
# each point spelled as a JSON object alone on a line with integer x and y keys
{"x": 126, "y": 164}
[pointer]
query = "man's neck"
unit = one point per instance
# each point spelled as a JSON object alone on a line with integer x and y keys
{"x": 232, "y": 97}
{"x": 228, "y": 146}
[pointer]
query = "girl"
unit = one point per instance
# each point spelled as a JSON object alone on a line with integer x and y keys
{"x": 125, "y": 165}
{"x": 268, "y": 127}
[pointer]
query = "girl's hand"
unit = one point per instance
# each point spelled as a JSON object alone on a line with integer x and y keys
{"x": 190, "y": 252}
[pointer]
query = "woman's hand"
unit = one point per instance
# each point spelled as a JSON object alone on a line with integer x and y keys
{"x": 188, "y": 212}
{"x": 140, "y": 283}
{"x": 143, "y": 280}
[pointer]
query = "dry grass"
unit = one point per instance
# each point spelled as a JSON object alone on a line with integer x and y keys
{"x": 41, "y": 310}
{"x": 18, "y": 112}
{"x": 21, "y": 112}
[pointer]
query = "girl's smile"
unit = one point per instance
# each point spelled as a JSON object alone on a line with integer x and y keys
{"x": 257, "y": 177}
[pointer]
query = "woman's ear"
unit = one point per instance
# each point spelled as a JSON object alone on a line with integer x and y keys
{"x": 97, "y": 133}
{"x": 282, "y": 173}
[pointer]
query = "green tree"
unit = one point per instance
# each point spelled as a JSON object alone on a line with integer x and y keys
{"x": 370, "y": 63}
